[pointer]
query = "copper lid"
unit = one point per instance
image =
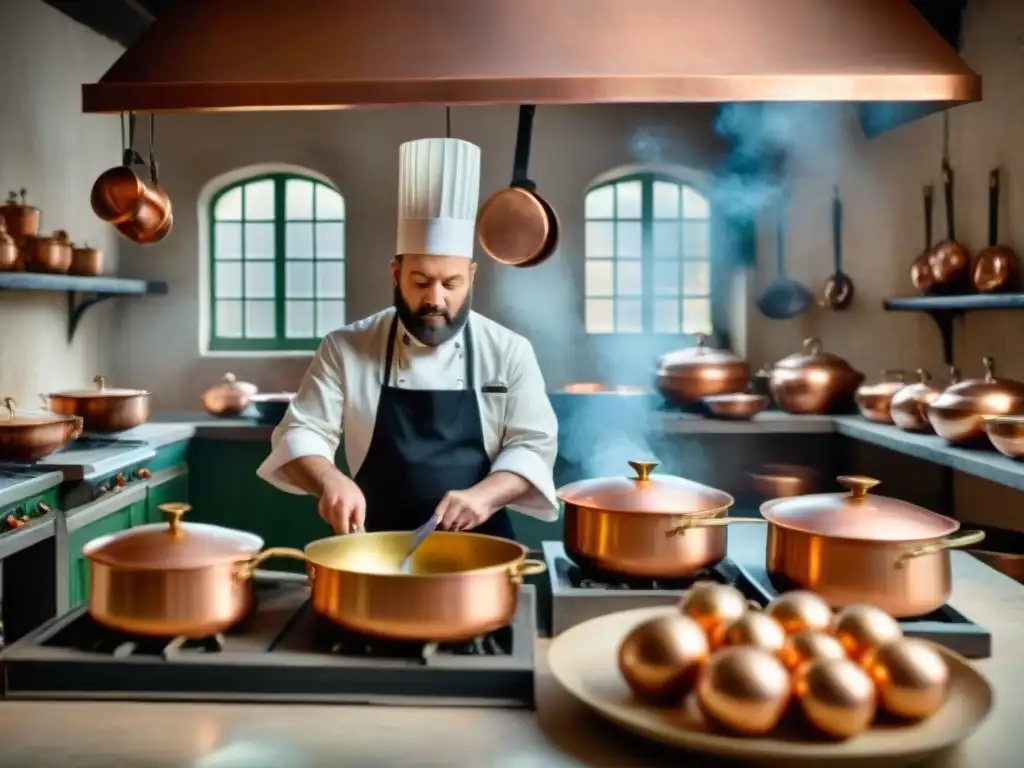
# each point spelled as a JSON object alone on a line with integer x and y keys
{"x": 231, "y": 386}
{"x": 173, "y": 545}
{"x": 987, "y": 395}
{"x": 698, "y": 356}
{"x": 101, "y": 390}
{"x": 659, "y": 494}
{"x": 813, "y": 356}
{"x": 15, "y": 417}
{"x": 858, "y": 515}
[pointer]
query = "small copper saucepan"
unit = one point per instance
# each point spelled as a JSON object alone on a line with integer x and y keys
{"x": 949, "y": 260}
{"x": 921, "y": 270}
{"x": 995, "y": 268}
{"x": 516, "y": 226}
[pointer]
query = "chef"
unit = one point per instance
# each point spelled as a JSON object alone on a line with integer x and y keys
{"x": 443, "y": 412}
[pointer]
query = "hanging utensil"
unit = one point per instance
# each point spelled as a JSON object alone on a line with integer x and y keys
{"x": 950, "y": 261}
{"x": 838, "y": 291}
{"x": 995, "y": 268}
{"x": 784, "y": 298}
{"x": 516, "y": 226}
{"x": 921, "y": 270}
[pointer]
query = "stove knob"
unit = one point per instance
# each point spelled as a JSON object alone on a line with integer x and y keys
{"x": 143, "y": 474}
{"x": 101, "y": 490}
{"x": 121, "y": 481}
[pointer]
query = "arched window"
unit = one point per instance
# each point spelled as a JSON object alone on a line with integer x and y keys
{"x": 648, "y": 256}
{"x": 277, "y": 263}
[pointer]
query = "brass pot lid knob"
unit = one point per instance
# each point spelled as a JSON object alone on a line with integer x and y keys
{"x": 100, "y": 381}
{"x": 11, "y": 406}
{"x": 859, "y": 485}
{"x": 643, "y": 469}
{"x": 812, "y": 346}
{"x": 990, "y": 368}
{"x": 173, "y": 514}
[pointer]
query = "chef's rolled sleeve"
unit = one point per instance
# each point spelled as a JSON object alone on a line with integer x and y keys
{"x": 530, "y": 442}
{"x": 312, "y": 424}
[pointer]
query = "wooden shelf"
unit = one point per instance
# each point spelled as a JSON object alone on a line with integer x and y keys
{"x": 944, "y": 309}
{"x": 83, "y": 292}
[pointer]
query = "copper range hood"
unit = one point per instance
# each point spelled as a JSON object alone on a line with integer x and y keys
{"x": 214, "y": 55}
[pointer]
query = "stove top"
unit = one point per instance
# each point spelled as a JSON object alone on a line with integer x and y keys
{"x": 283, "y": 652}
{"x": 87, "y": 457}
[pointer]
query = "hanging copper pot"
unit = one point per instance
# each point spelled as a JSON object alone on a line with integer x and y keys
{"x": 995, "y": 268}
{"x": 950, "y": 261}
{"x": 687, "y": 375}
{"x": 874, "y": 400}
{"x": 909, "y": 405}
{"x": 813, "y": 381}
{"x": 921, "y": 269}
{"x": 958, "y": 414}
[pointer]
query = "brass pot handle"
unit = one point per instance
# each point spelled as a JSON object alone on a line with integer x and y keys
{"x": 710, "y": 522}
{"x": 950, "y": 542}
{"x": 528, "y": 567}
{"x": 247, "y": 568}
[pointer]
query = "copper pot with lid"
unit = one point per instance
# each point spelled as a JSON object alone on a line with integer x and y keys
{"x": 8, "y": 250}
{"x": 858, "y": 547}
{"x": 32, "y": 435}
{"x": 230, "y": 397}
{"x": 48, "y": 253}
{"x": 813, "y": 381}
{"x": 103, "y": 409}
{"x": 687, "y": 375}
{"x": 646, "y": 526}
{"x": 20, "y": 218}
{"x": 958, "y": 414}
{"x": 874, "y": 400}
{"x": 86, "y": 261}
{"x": 909, "y": 406}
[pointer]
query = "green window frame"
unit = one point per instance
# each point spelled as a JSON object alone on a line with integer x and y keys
{"x": 648, "y": 256}
{"x": 277, "y": 263}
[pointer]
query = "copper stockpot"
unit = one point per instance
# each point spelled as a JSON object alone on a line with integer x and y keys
{"x": 874, "y": 400}
{"x": 9, "y": 256}
{"x": 687, "y": 375}
{"x": 29, "y": 436}
{"x": 51, "y": 253}
{"x": 860, "y": 548}
{"x": 909, "y": 406}
{"x": 86, "y": 261}
{"x": 648, "y": 526}
{"x": 21, "y": 219}
{"x": 104, "y": 410}
{"x": 813, "y": 381}
{"x": 458, "y": 585}
{"x": 230, "y": 397}
{"x": 1006, "y": 434}
{"x": 171, "y": 579}
{"x": 958, "y": 414}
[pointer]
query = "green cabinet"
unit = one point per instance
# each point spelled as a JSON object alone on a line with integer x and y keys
{"x": 165, "y": 488}
{"x": 78, "y": 567}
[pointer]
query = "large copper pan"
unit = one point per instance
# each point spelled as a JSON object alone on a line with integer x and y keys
{"x": 29, "y": 436}
{"x": 103, "y": 409}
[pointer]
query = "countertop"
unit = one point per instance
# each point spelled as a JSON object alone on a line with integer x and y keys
{"x": 560, "y": 734}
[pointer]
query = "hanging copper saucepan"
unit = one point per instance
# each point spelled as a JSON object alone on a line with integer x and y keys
{"x": 516, "y": 226}
{"x": 995, "y": 268}
{"x": 921, "y": 270}
{"x": 950, "y": 261}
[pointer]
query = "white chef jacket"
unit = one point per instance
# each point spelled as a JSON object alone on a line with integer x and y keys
{"x": 341, "y": 389}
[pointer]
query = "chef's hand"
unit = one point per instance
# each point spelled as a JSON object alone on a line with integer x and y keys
{"x": 463, "y": 510}
{"x": 342, "y": 505}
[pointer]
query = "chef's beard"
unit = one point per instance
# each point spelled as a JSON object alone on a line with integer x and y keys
{"x": 412, "y": 320}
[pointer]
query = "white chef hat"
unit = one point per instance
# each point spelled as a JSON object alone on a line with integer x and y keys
{"x": 438, "y": 195}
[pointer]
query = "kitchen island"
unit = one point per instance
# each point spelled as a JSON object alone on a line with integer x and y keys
{"x": 560, "y": 734}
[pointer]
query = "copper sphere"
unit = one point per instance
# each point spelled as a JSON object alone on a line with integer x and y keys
{"x": 712, "y": 605}
{"x": 800, "y": 610}
{"x": 836, "y": 696}
{"x": 911, "y": 676}
{"x": 810, "y": 645}
{"x": 744, "y": 689}
{"x": 660, "y": 658}
{"x": 950, "y": 264}
{"x": 861, "y": 627}
{"x": 754, "y": 629}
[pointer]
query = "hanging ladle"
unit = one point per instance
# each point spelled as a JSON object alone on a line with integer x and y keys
{"x": 784, "y": 298}
{"x": 838, "y": 291}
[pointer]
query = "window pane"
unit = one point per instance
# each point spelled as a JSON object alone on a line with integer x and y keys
{"x": 330, "y": 315}
{"x": 298, "y": 241}
{"x": 259, "y": 320}
{"x": 298, "y": 320}
{"x": 227, "y": 280}
{"x": 330, "y": 241}
{"x": 629, "y": 279}
{"x": 696, "y": 316}
{"x": 695, "y": 205}
{"x": 629, "y": 316}
{"x": 628, "y": 239}
{"x": 329, "y": 203}
{"x": 666, "y": 200}
{"x": 229, "y": 319}
{"x": 229, "y": 205}
{"x": 666, "y": 278}
{"x": 696, "y": 278}
{"x": 666, "y": 239}
{"x": 600, "y": 203}
{"x": 629, "y": 199}
{"x": 259, "y": 200}
{"x": 666, "y": 316}
{"x": 330, "y": 280}
{"x": 259, "y": 280}
{"x": 298, "y": 277}
{"x": 259, "y": 241}
{"x": 227, "y": 241}
{"x": 697, "y": 239}
{"x": 599, "y": 278}
{"x": 600, "y": 239}
{"x": 298, "y": 199}
{"x": 599, "y": 314}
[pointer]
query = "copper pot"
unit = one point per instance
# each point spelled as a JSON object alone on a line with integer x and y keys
{"x": 21, "y": 219}
{"x": 229, "y": 398}
{"x": 921, "y": 268}
{"x": 648, "y": 526}
{"x": 86, "y": 261}
{"x": 909, "y": 405}
{"x": 860, "y": 548}
{"x": 8, "y": 250}
{"x": 102, "y": 409}
{"x": 29, "y": 436}
{"x": 117, "y": 193}
{"x": 458, "y": 585}
{"x": 687, "y": 375}
{"x": 958, "y": 414}
{"x": 813, "y": 381}
{"x": 874, "y": 400}
{"x": 47, "y": 253}
{"x": 171, "y": 579}
{"x": 995, "y": 268}
{"x": 1003, "y": 550}
{"x": 1006, "y": 434}
{"x": 949, "y": 261}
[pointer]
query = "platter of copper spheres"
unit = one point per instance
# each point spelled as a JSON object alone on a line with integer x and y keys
{"x": 721, "y": 675}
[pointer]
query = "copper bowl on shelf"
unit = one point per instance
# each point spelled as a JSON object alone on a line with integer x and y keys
{"x": 875, "y": 400}
{"x": 1006, "y": 434}
{"x": 735, "y": 407}
{"x": 909, "y": 405}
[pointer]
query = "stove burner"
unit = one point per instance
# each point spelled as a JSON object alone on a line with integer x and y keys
{"x": 87, "y": 635}
{"x": 590, "y": 578}
{"x": 334, "y": 639}
{"x": 89, "y": 442}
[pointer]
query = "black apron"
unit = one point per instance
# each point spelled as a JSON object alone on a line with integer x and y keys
{"x": 424, "y": 444}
